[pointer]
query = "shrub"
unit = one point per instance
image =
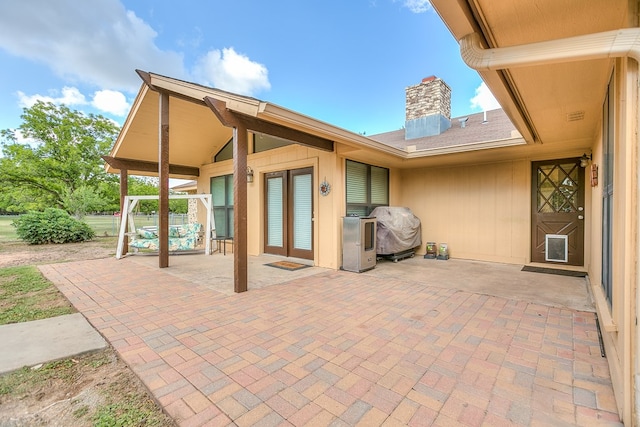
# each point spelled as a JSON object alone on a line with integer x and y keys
{"x": 51, "y": 226}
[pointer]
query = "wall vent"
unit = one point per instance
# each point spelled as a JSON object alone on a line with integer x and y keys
{"x": 575, "y": 116}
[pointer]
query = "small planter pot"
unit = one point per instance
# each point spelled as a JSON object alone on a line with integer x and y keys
{"x": 443, "y": 251}
{"x": 432, "y": 250}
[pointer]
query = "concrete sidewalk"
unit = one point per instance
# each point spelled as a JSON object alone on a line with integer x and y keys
{"x": 41, "y": 341}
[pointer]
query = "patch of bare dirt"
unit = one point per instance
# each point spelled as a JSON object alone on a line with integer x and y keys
{"x": 75, "y": 393}
{"x": 80, "y": 389}
{"x": 17, "y": 253}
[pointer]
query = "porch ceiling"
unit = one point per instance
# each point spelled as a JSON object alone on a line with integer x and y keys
{"x": 541, "y": 100}
{"x": 195, "y": 133}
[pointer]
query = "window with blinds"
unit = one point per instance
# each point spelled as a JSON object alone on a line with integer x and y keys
{"x": 367, "y": 188}
{"x": 222, "y": 199}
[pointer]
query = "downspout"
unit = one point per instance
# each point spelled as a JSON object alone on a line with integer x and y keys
{"x": 609, "y": 44}
{"x": 623, "y": 43}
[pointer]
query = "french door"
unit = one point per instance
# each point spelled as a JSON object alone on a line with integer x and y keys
{"x": 289, "y": 213}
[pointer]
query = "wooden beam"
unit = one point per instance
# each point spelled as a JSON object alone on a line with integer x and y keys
{"x": 233, "y": 119}
{"x": 163, "y": 174}
{"x": 146, "y": 78}
{"x": 240, "y": 276}
{"x": 144, "y": 166}
{"x": 124, "y": 191}
{"x": 219, "y": 108}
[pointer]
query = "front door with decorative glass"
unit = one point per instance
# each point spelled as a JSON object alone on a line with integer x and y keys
{"x": 557, "y": 217}
{"x": 289, "y": 213}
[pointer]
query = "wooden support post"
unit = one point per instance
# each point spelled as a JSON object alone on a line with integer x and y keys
{"x": 163, "y": 174}
{"x": 124, "y": 190}
{"x": 240, "y": 144}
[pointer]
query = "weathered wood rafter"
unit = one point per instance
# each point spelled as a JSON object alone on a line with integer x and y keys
{"x": 145, "y": 166}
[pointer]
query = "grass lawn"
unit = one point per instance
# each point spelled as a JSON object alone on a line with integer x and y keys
{"x": 103, "y": 225}
{"x": 94, "y": 389}
{"x": 25, "y": 295}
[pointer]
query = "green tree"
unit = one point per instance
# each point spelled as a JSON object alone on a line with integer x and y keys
{"x": 58, "y": 163}
{"x": 148, "y": 186}
{"x": 84, "y": 200}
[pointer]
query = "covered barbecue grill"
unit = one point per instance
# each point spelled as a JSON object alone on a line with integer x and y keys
{"x": 398, "y": 232}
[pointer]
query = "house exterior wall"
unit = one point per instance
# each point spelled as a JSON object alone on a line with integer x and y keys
{"x": 618, "y": 317}
{"x": 481, "y": 211}
{"x": 328, "y": 210}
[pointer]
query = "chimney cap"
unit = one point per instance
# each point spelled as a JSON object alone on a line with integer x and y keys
{"x": 428, "y": 79}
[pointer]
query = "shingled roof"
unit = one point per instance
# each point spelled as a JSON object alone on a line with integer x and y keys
{"x": 497, "y": 127}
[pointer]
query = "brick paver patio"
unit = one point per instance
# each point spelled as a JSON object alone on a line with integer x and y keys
{"x": 343, "y": 349}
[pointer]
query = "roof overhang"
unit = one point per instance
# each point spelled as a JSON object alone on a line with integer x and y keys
{"x": 555, "y": 102}
{"x": 201, "y": 121}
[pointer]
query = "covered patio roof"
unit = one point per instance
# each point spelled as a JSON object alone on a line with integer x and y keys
{"x": 197, "y": 134}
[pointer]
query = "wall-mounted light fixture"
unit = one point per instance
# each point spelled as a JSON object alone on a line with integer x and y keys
{"x": 249, "y": 174}
{"x": 584, "y": 160}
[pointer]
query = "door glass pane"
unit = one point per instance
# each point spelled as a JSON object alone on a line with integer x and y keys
{"x": 274, "y": 212}
{"x": 302, "y": 211}
{"x": 558, "y": 188}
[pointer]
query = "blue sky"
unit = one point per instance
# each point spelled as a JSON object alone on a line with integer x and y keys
{"x": 346, "y": 62}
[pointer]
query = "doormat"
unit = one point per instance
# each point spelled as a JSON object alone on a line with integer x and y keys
{"x": 554, "y": 271}
{"x": 287, "y": 265}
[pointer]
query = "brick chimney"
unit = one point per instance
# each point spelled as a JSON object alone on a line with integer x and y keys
{"x": 428, "y": 108}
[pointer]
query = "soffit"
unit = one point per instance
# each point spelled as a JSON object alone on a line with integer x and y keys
{"x": 195, "y": 134}
{"x": 543, "y": 97}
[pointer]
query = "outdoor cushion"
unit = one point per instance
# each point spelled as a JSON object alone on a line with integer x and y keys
{"x": 146, "y": 234}
{"x": 175, "y": 232}
{"x": 181, "y": 238}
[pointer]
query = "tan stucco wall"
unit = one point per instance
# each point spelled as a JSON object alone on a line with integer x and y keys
{"x": 618, "y": 319}
{"x": 327, "y": 209}
{"x": 481, "y": 211}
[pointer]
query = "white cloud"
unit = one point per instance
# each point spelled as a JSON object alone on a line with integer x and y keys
{"x": 111, "y": 101}
{"x": 104, "y": 43}
{"x": 100, "y": 44}
{"x": 69, "y": 96}
{"x": 416, "y": 6}
{"x": 484, "y": 99}
{"x": 231, "y": 71}
{"x": 105, "y": 101}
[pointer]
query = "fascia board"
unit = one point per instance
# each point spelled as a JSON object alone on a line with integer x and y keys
{"x": 325, "y": 130}
{"x": 239, "y": 103}
{"x": 144, "y": 89}
{"x": 475, "y": 146}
